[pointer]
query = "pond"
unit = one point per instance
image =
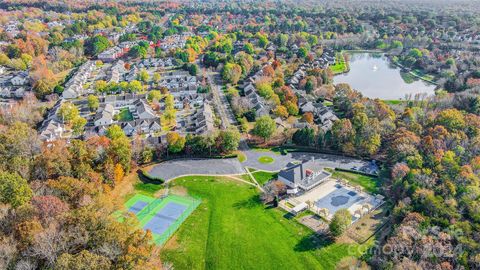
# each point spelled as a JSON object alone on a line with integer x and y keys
{"x": 375, "y": 77}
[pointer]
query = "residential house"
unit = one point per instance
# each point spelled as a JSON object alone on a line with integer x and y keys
{"x": 20, "y": 79}
{"x": 303, "y": 176}
{"x": 257, "y": 102}
{"x": 143, "y": 110}
{"x": 74, "y": 87}
{"x": 105, "y": 116}
{"x": 322, "y": 115}
{"x": 200, "y": 122}
{"x": 51, "y": 130}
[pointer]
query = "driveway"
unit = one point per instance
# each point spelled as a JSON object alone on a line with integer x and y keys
{"x": 280, "y": 161}
{"x": 175, "y": 168}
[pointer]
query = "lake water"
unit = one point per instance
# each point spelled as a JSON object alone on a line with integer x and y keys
{"x": 374, "y": 76}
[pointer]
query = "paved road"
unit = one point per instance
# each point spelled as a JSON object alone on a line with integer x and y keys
{"x": 226, "y": 113}
{"x": 219, "y": 99}
{"x": 324, "y": 160}
{"x": 174, "y": 168}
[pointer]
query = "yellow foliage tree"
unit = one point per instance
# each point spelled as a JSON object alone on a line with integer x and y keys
{"x": 118, "y": 173}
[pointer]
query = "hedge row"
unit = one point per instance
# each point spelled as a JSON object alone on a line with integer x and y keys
{"x": 150, "y": 177}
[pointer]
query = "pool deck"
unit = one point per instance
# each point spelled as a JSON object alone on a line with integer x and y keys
{"x": 323, "y": 196}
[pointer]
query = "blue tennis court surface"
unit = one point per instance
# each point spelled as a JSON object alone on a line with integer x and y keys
{"x": 137, "y": 207}
{"x": 165, "y": 217}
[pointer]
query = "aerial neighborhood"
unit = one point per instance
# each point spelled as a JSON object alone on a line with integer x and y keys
{"x": 155, "y": 134}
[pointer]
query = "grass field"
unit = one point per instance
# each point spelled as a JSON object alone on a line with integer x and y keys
{"x": 265, "y": 159}
{"x": 125, "y": 115}
{"x": 340, "y": 65}
{"x": 147, "y": 188}
{"x": 267, "y": 150}
{"x": 394, "y": 102}
{"x": 231, "y": 229}
{"x": 370, "y": 184}
{"x": 263, "y": 177}
{"x": 241, "y": 156}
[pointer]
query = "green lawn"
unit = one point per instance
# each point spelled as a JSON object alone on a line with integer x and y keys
{"x": 231, "y": 229}
{"x": 263, "y": 177}
{"x": 147, "y": 188}
{"x": 265, "y": 159}
{"x": 125, "y": 115}
{"x": 340, "y": 65}
{"x": 267, "y": 150}
{"x": 241, "y": 156}
{"x": 328, "y": 103}
{"x": 394, "y": 102}
{"x": 369, "y": 183}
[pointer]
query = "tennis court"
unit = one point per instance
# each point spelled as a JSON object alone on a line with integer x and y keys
{"x": 161, "y": 216}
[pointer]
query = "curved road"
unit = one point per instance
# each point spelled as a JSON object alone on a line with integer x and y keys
{"x": 175, "y": 168}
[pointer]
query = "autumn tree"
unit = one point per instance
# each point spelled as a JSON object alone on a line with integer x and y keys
{"x": 281, "y": 111}
{"x": 176, "y": 143}
{"x": 82, "y": 261}
{"x": 231, "y": 73}
{"x": 68, "y": 112}
{"x": 119, "y": 148}
{"x": 19, "y": 144}
{"x": 93, "y": 102}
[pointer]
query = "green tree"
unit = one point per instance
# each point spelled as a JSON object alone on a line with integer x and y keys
{"x": 13, "y": 51}
{"x": 120, "y": 152}
{"x": 452, "y": 119}
{"x": 415, "y": 53}
{"x": 78, "y": 124}
{"x": 304, "y": 136}
{"x": 340, "y": 222}
{"x": 228, "y": 140}
{"x": 262, "y": 40}
{"x": 135, "y": 86}
{"x": 68, "y": 112}
{"x": 396, "y": 44}
{"x": 154, "y": 95}
{"x": 95, "y": 45}
{"x": 138, "y": 51}
{"x": 176, "y": 143}
{"x": 18, "y": 146}
{"x": 231, "y": 73}
{"x": 101, "y": 86}
{"x": 245, "y": 61}
{"x": 265, "y": 127}
{"x": 115, "y": 132}
{"x": 93, "y": 102}
{"x": 282, "y": 40}
{"x": 248, "y": 48}
{"x": 157, "y": 77}
{"x": 143, "y": 76}
{"x": 302, "y": 52}
{"x": 14, "y": 189}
